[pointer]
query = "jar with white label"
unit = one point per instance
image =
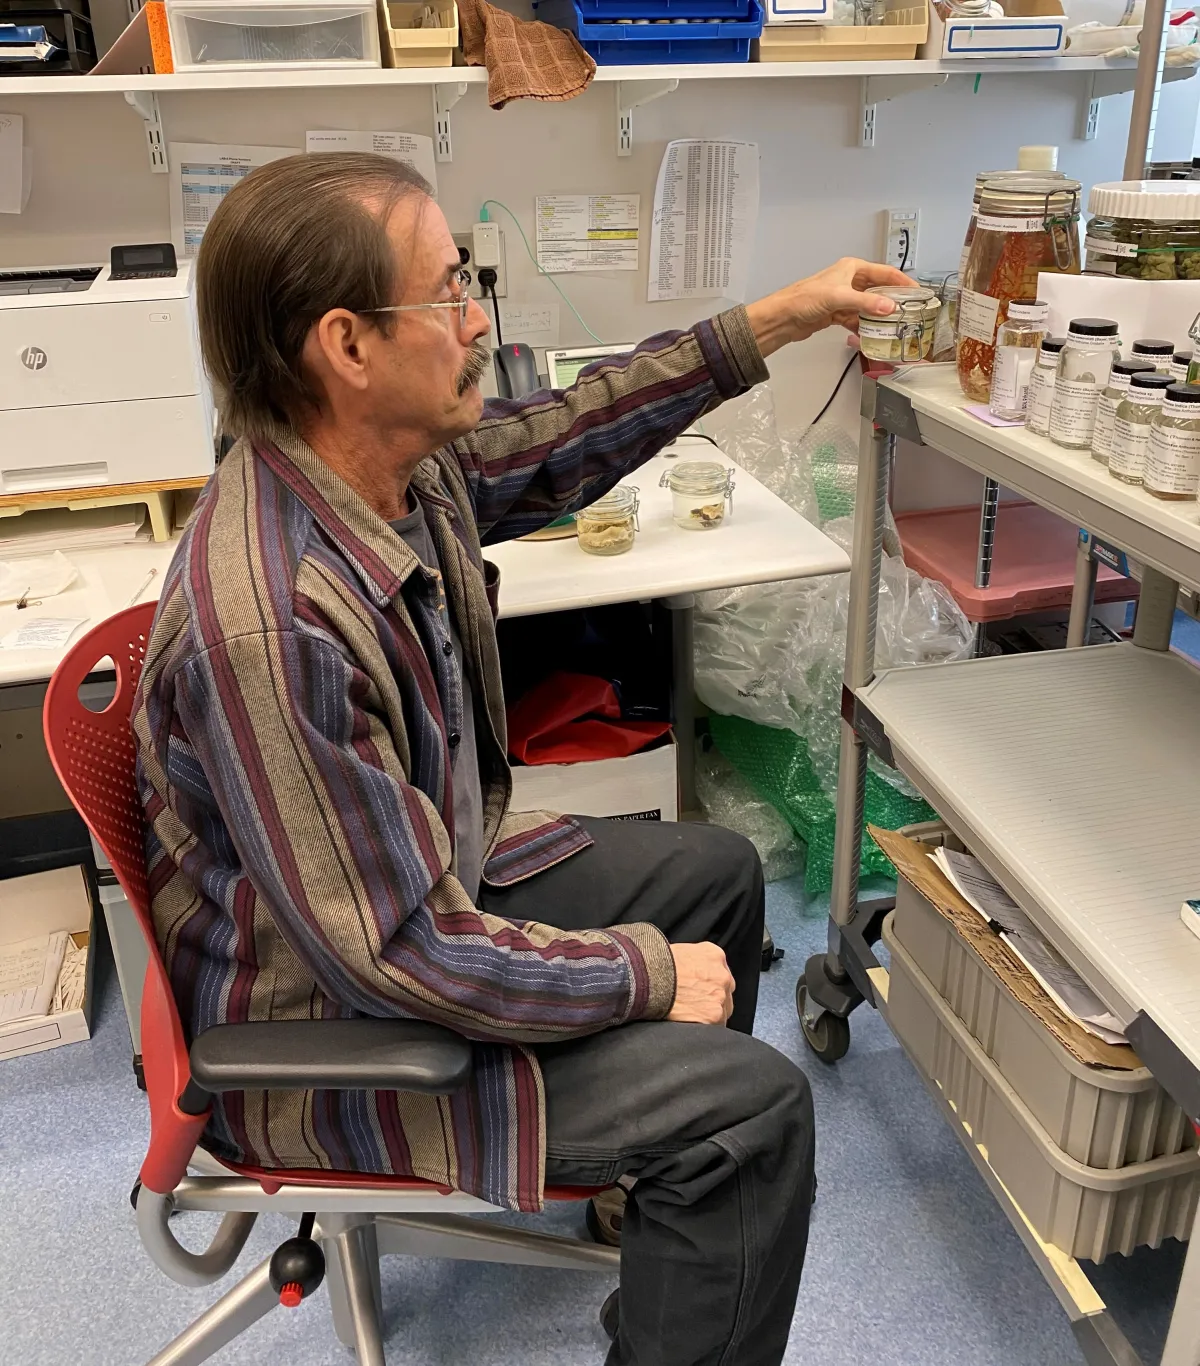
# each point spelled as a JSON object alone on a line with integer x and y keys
{"x": 1159, "y": 353}
{"x": 1041, "y": 385}
{"x": 1131, "y": 430}
{"x": 1024, "y": 230}
{"x": 1017, "y": 342}
{"x": 1180, "y": 362}
{"x": 1106, "y": 409}
{"x": 1173, "y": 451}
{"x": 699, "y": 491}
{"x": 1084, "y": 366}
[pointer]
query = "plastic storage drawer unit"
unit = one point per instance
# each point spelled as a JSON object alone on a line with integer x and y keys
{"x": 1102, "y": 1117}
{"x": 1086, "y": 1211}
{"x": 656, "y": 41}
{"x": 272, "y": 35}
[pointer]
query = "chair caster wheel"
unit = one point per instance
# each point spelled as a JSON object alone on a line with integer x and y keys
{"x": 827, "y": 1035}
{"x": 610, "y": 1315}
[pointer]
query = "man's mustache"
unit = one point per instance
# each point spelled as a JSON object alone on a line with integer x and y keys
{"x": 474, "y": 367}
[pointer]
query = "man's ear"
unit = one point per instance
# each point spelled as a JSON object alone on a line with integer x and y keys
{"x": 336, "y": 350}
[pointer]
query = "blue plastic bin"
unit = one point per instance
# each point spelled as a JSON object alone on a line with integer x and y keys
{"x": 591, "y": 10}
{"x": 612, "y": 44}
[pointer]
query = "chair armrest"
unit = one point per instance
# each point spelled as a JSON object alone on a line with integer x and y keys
{"x": 330, "y": 1055}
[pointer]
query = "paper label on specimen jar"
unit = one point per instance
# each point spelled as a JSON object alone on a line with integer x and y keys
{"x": 1106, "y": 416}
{"x": 1010, "y": 378}
{"x": 1041, "y": 396}
{"x": 1125, "y": 250}
{"x": 878, "y": 331}
{"x": 987, "y": 222}
{"x": 977, "y": 316}
{"x": 1073, "y": 412}
{"x": 1128, "y": 454}
{"x": 1172, "y": 460}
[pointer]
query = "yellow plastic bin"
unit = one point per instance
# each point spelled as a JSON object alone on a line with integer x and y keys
{"x": 401, "y": 44}
{"x": 904, "y": 29}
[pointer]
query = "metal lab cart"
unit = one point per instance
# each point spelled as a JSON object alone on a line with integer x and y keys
{"x": 1021, "y": 756}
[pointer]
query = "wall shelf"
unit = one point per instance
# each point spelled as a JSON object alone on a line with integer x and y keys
{"x": 191, "y": 81}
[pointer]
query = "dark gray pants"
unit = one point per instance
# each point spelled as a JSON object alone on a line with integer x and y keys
{"x": 716, "y": 1126}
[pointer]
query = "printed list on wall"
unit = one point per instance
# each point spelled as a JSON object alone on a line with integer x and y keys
{"x": 705, "y": 211}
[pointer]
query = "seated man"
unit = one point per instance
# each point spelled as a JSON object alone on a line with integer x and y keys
{"x": 321, "y": 742}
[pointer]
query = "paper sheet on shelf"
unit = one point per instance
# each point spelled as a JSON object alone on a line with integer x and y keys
{"x": 16, "y": 164}
{"x": 28, "y": 972}
{"x": 1057, "y": 979}
{"x": 413, "y": 148}
{"x": 202, "y": 174}
{"x": 705, "y": 213}
{"x": 587, "y": 232}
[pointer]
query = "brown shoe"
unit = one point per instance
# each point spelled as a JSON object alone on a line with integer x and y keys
{"x": 605, "y": 1215}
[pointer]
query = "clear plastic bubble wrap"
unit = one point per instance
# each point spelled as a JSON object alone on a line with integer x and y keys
{"x": 729, "y": 800}
{"x": 773, "y": 653}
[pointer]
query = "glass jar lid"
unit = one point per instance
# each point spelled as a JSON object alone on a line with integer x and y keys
{"x": 1150, "y": 379}
{"x": 1020, "y": 197}
{"x": 1092, "y": 329}
{"x": 984, "y": 176}
{"x": 903, "y": 295}
{"x": 1184, "y": 393}
{"x": 698, "y": 476}
{"x": 1151, "y": 346}
{"x": 1133, "y": 367}
{"x": 617, "y": 503}
{"x": 1181, "y": 357}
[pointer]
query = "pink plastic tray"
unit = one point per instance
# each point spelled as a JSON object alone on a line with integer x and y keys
{"x": 1033, "y": 562}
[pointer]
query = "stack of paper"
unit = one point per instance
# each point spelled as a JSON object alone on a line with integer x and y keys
{"x": 1058, "y": 979}
{"x": 28, "y": 973}
{"x": 43, "y": 530}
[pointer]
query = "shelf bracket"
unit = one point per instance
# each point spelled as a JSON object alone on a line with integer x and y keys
{"x": 629, "y": 95}
{"x": 878, "y": 89}
{"x": 145, "y": 104}
{"x": 445, "y": 97}
{"x": 1100, "y": 85}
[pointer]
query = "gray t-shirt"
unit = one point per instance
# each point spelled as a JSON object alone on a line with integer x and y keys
{"x": 464, "y": 757}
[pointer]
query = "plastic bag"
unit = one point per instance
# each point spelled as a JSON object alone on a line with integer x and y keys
{"x": 773, "y": 654}
{"x": 729, "y": 800}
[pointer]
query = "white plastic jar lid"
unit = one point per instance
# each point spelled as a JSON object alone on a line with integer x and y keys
{"x": 1164, "y": 201}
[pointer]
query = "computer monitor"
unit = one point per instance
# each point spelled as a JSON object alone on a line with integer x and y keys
{"x": 563, "y": 367}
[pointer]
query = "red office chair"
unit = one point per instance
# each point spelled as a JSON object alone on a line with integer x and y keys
{"x": 347, "y": 1220}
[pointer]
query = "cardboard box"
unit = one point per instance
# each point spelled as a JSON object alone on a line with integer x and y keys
{"x": 642, "y": 787}
{"x": 40, "y": 904}
{"x": 1029, "y": 28}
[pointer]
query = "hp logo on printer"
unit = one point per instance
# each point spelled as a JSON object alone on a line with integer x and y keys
{"x": 34, "y": 358}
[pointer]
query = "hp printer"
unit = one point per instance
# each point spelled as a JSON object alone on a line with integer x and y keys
{"x": 101, "y": 380}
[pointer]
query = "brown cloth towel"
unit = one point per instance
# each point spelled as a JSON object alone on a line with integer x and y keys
{"x": 525, "y": 61}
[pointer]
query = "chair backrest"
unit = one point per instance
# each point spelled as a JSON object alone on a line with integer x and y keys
{"x": 94, "y": 755}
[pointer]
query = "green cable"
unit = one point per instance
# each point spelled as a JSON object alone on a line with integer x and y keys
{"x": 483, "y": 218}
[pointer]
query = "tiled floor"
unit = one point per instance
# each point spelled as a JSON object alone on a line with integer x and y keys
{"x": 910, "y": 1261}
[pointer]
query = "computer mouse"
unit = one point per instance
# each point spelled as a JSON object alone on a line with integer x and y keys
{"x": 516, "y": 370}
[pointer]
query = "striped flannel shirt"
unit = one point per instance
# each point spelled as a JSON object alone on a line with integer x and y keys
{"x": 294, "y": 727}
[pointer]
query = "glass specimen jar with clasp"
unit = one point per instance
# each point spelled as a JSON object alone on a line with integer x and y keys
{"x": 608, "y": 526}
{"x": 700, "y": 489}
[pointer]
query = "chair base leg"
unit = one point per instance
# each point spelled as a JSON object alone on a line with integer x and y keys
{"x": 243, "y": 1306}
{"x": 352, "y": 1262}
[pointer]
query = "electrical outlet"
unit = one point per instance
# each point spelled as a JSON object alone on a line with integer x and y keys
{"x": 900, "y": 238}
{"x": 465, "y": 242}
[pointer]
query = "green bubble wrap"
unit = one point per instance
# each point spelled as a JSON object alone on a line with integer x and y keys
{"x": 777, "y": 765}
{"x": 835, "y": 480}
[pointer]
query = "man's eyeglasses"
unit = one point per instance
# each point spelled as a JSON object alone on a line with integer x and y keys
{"x": 461, "y": 301}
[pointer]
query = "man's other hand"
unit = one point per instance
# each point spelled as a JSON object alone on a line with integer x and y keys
{"x": 833, "y": 295}
{"x": 703, "y": 985}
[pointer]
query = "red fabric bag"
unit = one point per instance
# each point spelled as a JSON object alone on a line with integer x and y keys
{"x": 569, "y": 718}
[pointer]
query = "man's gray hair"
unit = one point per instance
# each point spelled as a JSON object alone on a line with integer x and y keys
{"x": 296, "y": 238}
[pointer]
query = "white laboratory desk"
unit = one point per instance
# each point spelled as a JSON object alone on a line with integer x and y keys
{"x": 764, "y": 541}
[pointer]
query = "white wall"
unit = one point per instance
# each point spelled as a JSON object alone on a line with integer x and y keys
{"x": 821, "y": 194}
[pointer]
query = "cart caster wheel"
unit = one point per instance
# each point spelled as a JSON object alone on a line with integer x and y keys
{"x": 829, "y": 1035}
{"x": 610, "y": 1315}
